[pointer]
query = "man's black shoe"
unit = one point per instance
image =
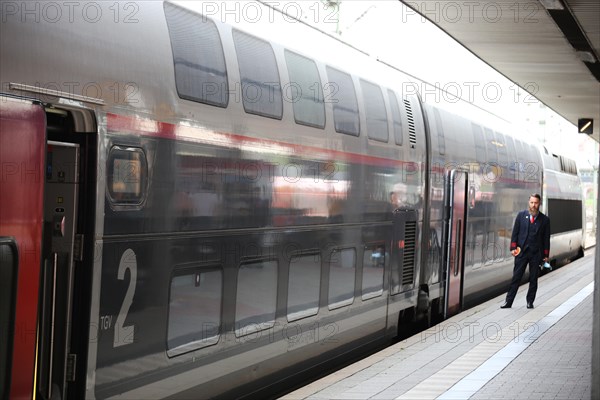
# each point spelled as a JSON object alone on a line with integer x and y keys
{"x": 529, "y": 304}
{"x": 506, "y": 305}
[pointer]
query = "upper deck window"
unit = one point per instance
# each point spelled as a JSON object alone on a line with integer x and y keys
{"x": 377, "y": 123}
{"x": 502, "y": 149}
{"x": 261, "y": 87}
{"x": 307, "y": 91}
{"x": 396, "y": 117}
{"x": 200, "y": 71}
{"x": 345, "y": 106}
{"x": 440, "y": 131}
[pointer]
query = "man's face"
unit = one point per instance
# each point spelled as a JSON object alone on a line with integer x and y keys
{"x": 534, "y": 205}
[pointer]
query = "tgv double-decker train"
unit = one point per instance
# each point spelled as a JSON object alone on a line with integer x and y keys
{"x": 194, "y": 206}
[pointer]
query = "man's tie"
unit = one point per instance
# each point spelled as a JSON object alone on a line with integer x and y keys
{"x": 531, "y": 219}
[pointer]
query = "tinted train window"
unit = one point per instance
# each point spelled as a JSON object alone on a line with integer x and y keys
{"x": 492, "y": 150}
{"x": 396, "y": 117}
{"x": 440, "y": 132}
{"x": 374, "y": 261}
{"x": 345, "y": 105}
{"x": 200, "y": 72}
{"x": 256, "y": 297}
{"x": 377, "y": 124}
{"x": 535, "y": 157}
{"x": 566, "y": 215}
{"x": 511, "y": 153}
{"x": 126, "y": 176}
{"x": 520, "y": 156}
{"x": 194, "y": 310}
{"x": 502, "y": 151}
{"x": 480, "y": 153}
{"x": 261, "y": 88}
{"x": 306, "y": 90}
{"x": 342, "y": 270}
{"x": 303, "y": 286}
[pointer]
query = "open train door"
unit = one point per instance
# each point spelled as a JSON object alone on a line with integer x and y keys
{"x": 456, "y": 187}
{"x": 22, "y": 154}
{"x": 43, "y": 211}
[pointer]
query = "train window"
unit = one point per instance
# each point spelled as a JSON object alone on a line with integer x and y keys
{"x": 126, "y": 177}
{"x": 502, "y": 151}
{"x": 374, "y": 262}
{"x": 521, "y": 157}
{"x": 396, "y": 117}
{"x": 194, "y": 309}
{"x": 511, "y": 154}
{"x": 533, "y": 163}
{"x": 342, "y": 270}
{"x": 377, "y": 123}
{"x": 200, "y": 71}
{"x": 566, "y": 215}
{"x": 307, "y": 91}
{"x": 345, "y": 105}
{"x": 492, "y": 150}
{"x": 439, "y": 127}
{"x": 480, "y": 153}
{"x": 304, "y": 284}
{"x": 256, "y": 297}
{"x": 261, "y": 87}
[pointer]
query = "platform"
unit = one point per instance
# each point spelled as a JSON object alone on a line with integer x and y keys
{"x": 486, "y": 352}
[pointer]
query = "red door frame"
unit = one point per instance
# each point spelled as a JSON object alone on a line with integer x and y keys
{"x": 22, "y": 159}
{"x": 454, "y": 263}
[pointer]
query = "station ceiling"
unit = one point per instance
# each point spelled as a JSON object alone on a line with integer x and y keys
{"x": 551, "y": 48}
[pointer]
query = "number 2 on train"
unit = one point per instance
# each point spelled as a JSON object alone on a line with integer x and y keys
{"x": 125, "y": 334}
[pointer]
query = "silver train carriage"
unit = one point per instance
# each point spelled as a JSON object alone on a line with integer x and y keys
{"x": 195, "y": 205}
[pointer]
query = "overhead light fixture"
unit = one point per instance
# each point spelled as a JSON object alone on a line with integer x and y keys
{"x": 552, "y": 4}
{"x": 585, "y": 125}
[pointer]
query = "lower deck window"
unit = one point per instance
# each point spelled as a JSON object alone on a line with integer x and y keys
{"x": 256, "y": 299}
{"x": 303, "y": 286}
{"x": 194, "y": 310}
{"x": 373, "y": 266}
{"x": 342, "y": 270}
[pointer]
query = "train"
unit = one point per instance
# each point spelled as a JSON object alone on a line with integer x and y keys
{"x": 195, "y": 205}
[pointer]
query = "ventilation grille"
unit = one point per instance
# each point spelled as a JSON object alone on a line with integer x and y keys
{"x": 408, "y": 260}
{"x": 412, "y": 135}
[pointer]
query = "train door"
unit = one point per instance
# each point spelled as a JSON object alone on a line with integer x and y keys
{"x": 60, "y": 210}
{"x": 22, "y": 149}
{"x": 39, "y": 248}
{"x": 455, "y": 221}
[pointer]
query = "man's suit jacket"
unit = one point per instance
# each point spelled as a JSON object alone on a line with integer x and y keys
{"x": 540, "y": 230}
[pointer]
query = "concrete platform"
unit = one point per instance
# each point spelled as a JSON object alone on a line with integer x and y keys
{"x": 486, "y": 352}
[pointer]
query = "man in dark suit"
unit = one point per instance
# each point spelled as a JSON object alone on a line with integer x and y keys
{"x": 530, "y": 244}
